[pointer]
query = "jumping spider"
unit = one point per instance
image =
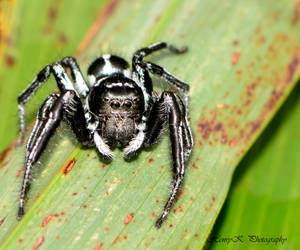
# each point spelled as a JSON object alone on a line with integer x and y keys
{"x": 116, "y": 107}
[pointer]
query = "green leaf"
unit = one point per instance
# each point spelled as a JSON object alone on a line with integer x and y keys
{"x": 34, "y": 34}
{"x": 242, "y": 63}
{"x": 264, "y": 197}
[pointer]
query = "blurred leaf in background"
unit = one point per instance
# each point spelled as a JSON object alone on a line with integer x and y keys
{"x": 33, "y": 34}
{"x": 243, "y": 61}
{"x": 264, "y": 198}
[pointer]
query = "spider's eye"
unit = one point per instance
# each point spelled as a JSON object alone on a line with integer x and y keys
{"x": 115, "y": 104}
{"x": 136, "y": 99}
{"x": 127, "y": 104}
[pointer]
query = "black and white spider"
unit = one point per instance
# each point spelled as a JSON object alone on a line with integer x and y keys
{"x": 116, "y": 108}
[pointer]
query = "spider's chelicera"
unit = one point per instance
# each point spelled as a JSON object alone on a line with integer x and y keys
{"x": 116, "y": 107}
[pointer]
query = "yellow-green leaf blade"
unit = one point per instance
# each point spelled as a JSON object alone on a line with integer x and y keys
{"x": 240, "y": 69}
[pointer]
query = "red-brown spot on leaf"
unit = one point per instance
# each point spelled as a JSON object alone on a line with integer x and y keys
{"x": 222, "y": 106}
{"x": 275, "y": 95}
{"x": 74, "y": 194}
{"x": 62, "y": 39}
{"x": 37, "y": 196}
{"x": 116, "y": 240}
{"x": 194, "y": 165}
{"x": 4, "y": 153}
{"x": 68, "y": 167}
{"x": 150, "y": 160}
{"x": 52, "y": 13}
{"x": 184, "y": 234}
{"x": 235, "y": 58}
{"x": 128, "y": 218}
{"x": 180, "y": 193}
{"x": 9, "y": 60}
{"x": 180, "y": 208}
{"x": 47, "y": 219}
{"x": 292, "y": 69}
{"x": 2, "y": 221}
{"x": 218, "y": 126}
{"x": 19, "y": 172}
{"x": 38, "y": 243}
{"x": 296, "y": 13}
{"x": 233, "y": 143}
{"x": 224, "y": 138}
{"x": 98, "y": 246}
{"x": 211, "y": 126}
{"x": 235, "y": 42}
{"x": 213, "y": 199}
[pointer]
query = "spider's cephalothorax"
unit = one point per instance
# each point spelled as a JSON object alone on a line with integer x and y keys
{"x": 116, "y": 107}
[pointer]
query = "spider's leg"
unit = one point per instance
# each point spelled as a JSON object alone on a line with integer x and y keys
{"x": 81, "y": 86}
{"x": 158, "y": 120}
{"x": 48, "y": 119}
{"x": 25, "y": 96}
{"x": 141, "y": 66}
{"x": 169, "y": 109}
{"x": 188, "y": 136}
{"x": 63, "y": 83}
{"x": 156, "y": 69}
{"x": 66, "y": 106}
{"x": 141, "y": 76}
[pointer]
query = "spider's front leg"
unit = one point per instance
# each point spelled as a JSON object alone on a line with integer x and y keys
{"x": 139, "y": 65}
{"x": 65, "y": 106}
{"x": 63, "y": 83}
{"x": 169, "y": 108}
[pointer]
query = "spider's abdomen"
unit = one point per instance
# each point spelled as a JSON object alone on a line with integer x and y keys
{"x": 118, "y": 104}
{"x": 107, "y": 65}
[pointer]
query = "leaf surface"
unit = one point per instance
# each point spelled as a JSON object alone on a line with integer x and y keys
{"x": 263, "y": 203}
{"x": 242, "y": 63}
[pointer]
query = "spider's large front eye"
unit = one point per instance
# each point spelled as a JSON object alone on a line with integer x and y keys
{"x": 115, "y": 104}
{"x": 127, "y": 104}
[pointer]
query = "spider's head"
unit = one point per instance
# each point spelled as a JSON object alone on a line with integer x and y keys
{"x": 107, "y": 65}
{"x": 116, "y": 95}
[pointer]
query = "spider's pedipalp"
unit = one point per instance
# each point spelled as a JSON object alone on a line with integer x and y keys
{"x": 102, "y": 147}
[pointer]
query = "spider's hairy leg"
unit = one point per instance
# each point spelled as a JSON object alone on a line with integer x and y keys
{"x": 48, "y": 119}
{"x": 66, "y": 106}
{"x": 76, "y": 74}
{"x": 25, "y": 96}
{"x": 169, "y": 108}
{"x": 158, "y": 46}
{"x": 63, "y": 83}
{"x": 141, "y": 66}
{"x": 156, "y": 69}
{"x": 188, "y": 136}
